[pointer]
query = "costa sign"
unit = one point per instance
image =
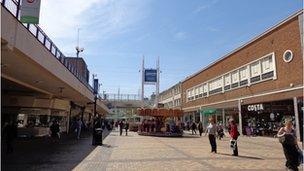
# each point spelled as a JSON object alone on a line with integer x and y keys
{"x": 255, "y": 107}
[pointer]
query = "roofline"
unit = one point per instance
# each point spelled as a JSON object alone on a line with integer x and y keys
{"x": 299, "y": 12}
{"x": 179, "y": 83}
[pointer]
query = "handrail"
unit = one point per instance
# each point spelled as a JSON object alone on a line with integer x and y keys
{"x": 13, "y": 6}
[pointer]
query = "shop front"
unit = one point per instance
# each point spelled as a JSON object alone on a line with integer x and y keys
{"x": 220, "y": 115}
{"x": 266, "y": 118}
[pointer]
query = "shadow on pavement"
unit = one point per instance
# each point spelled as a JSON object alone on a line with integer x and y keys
{"x": 43, "y": 154}
{"x": 246, "y": 157}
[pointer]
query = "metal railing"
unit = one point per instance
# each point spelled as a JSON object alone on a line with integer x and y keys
{"x": 13, "y": 6}
{"x": 120, "y": 97}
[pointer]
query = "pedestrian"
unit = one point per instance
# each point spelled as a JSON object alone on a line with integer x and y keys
{"x": 78, "y": 127}
{"x": 220, "y": 132}
{"x": 55, "y": 131}
{"x": 211, "y": 131}
{"x": 127, "y": 127}
{"x": 121, "y": 125}
{"x": 200, "y": 128}
{"x": 234, "y": 133}
{"x": 193, "y": 127}
{"x": 288, "y": 139}
{"x": 10, "y": 134}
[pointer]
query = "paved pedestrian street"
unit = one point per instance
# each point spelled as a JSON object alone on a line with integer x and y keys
{"x": 136, "y": 152}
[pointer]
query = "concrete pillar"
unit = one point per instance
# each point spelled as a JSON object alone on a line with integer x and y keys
{"x": 295, "y": 107}
{"x": 193, "y": 116}
{"x": 223, "y": 117}
{"x": 240, "y": 117}
{"x": 201, "y": 116}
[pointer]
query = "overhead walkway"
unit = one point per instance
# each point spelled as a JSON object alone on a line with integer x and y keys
{"x": 36, "y": 76}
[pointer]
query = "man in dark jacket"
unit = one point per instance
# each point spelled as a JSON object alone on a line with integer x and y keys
{"x": 10, "y": 133}
{"x": 127, "y": 127}
{"x": 121, "y": 125}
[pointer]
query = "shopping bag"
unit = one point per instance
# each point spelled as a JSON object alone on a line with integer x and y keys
{"x": 233, "y": 144}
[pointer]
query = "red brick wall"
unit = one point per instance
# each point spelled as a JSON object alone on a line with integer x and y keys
{"x": 286, "y": 36}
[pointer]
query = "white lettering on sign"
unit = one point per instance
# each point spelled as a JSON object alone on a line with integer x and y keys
{"x": 255, "y": 107}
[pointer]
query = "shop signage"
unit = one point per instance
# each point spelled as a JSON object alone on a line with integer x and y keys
{"x": 255, "y": 107}
{"x": 30, "y": 10}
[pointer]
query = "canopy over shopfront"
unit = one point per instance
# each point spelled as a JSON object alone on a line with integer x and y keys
{"x": 208, "y": 112}
{"x": 160, "y": 112}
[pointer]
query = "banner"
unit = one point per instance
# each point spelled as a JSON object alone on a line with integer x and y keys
{"x": 29, "y": 12}
{"x": 150, "y": 75}
{"x": 96, "y": 86}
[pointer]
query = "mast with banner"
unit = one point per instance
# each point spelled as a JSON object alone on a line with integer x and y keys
{"x": 150, "y": 77}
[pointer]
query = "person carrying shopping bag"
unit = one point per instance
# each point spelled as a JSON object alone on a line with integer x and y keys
{"x": 234, "y": 134}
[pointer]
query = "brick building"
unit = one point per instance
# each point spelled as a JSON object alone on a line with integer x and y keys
{"x": 259, "y": 83}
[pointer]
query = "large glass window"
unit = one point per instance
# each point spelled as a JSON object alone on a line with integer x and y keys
{"x": 262, "y": 69}
{"x": 227, "y": 82}
{"x": 215, "y": 86}
{"x": 255, "y": 69}
{"x": 244, "y": 75}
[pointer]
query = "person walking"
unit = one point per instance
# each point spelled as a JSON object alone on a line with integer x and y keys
{"x": 55, "y": 131}
{"x": 193, "y": 128}
{"x": 78, "y": 127}
{"x": 121, "y": 124}
{"x": 234, "y": 133}
{"x": 10, "y": 134}
{"x": 211, "y": 131}
{"x": 200, "y": 128}
{"x": 127, "y": 127}
{"x": 220, "y": 132}
{"x": 288, "y": 139}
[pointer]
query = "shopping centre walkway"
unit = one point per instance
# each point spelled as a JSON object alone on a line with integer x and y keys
{"x": 43, "y": 154}
{"x": 135, "y": 152}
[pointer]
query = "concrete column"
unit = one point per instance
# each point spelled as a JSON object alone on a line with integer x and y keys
{"x": 295, "y": 107}
{"x": 201, "y": 117}
{"x": 193, "y": 117}
{"x": 223, "y": 116}
{"x": 240, "y": 117}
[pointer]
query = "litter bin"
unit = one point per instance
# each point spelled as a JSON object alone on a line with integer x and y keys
{"x": 97, "y": 137}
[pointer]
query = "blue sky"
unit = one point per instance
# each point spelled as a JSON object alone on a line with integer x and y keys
{"x": 186, "y": 35}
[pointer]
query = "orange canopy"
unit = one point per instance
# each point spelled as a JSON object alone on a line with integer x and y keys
{"x": 159, "y": 112}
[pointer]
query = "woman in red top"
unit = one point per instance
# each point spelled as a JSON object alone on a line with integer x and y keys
{"x": 234, "y": 133}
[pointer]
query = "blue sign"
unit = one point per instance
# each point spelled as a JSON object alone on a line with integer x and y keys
{"x": 150, "y": 75}
{"x": 96, "y": 86}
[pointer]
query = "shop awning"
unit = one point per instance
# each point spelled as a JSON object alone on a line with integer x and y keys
{"x": 208, "y": 112}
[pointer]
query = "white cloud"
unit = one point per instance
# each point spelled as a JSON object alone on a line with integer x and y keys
{"x": 180, "y": 35}
{"x": 97, "y": 19}
{"x": 204, "y": 6}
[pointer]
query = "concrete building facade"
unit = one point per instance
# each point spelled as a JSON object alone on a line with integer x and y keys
{"x": 171, "y": 98}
